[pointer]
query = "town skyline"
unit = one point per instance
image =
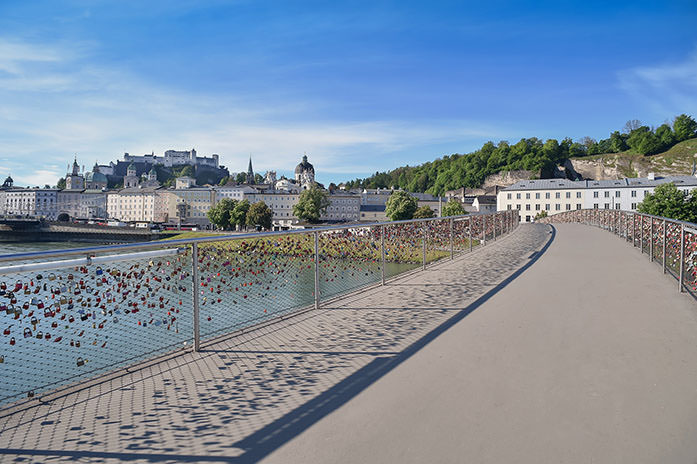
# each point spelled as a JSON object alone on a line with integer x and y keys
{"x": 361, "y": 88}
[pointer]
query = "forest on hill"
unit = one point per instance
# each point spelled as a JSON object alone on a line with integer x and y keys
{"x": 470, "y": 170}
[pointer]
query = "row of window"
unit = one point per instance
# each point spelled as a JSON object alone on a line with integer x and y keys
{"x": 537, "y": 195}
{"x": 538, "y": 207}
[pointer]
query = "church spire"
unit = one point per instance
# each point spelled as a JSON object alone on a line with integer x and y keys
{"x": 250, "y": 172}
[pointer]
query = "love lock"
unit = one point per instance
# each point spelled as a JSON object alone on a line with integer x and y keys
{"x": 39, "y": 335}
{"x": 27, "y": 332}
{"x": 51, "y": 277}
{"x": 40, "y": 305}
{"x": 80, "y": 362}
{"x": 99, "y": 271}
{"x": 3, "y": 286}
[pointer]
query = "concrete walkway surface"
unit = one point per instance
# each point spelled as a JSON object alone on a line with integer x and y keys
{"x": 549, "y": 345}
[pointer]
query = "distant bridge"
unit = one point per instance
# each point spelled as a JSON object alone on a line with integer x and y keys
{"x": 554, "y": 342}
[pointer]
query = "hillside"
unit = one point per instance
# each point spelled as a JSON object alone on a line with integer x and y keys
{"x": 635, "y": 151}
{"x": 675, "y": 161}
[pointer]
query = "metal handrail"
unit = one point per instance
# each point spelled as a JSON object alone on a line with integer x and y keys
{"x": 601, "y": 218}
{"x": 442, "y": 235}
{"x": 217, "y": 238}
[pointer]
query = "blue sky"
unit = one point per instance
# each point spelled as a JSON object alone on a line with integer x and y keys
{"x": 359, "y": 86}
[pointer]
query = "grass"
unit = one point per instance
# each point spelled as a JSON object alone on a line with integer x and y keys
{"x": 176, "y": 235}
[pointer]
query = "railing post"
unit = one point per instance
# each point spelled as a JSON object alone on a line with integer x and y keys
{"x": 469, "y": 230}
{"x": 682, "y": 256}
{"x": 484, "y": 230}
{"x": 316, "y": 234}
{"x": 665, "y": 235}
{"x": 493, "y": 223}
{"x": 651, "y": 240}
{"x": 195, "y": 284}
{"x": 626, "y": 227}
{"x": 452, "y": 251}
{"x": 641, "y": 236}
{"x": 423, "y": 242}
{"x": 382, "y": 252}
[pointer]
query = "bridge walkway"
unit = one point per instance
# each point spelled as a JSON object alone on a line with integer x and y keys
{"x": 540, "y": 347}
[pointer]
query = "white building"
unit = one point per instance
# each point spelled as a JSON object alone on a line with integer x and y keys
{"x": 191, "y": 205}
{"x": 31, "y": 202}
{"x": 82, "y": 204}
{"x": 174, "y": 158}
{"x": 235, "y": 192}
{"x": 530, "y": 197}
{"x": 138, "y": 205}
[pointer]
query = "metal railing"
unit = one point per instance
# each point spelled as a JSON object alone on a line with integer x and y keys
{"x": 68, "y": 316}
{"x": 670, "y": 243}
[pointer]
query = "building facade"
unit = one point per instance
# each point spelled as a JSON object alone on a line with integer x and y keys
{"x": 557, "y": 195}
{"x": 138, "y": 205}
{"x": 31, "y": 202}
{"x": 175, "y": 158}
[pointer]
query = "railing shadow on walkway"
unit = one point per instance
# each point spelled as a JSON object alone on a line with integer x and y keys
{"x": 264, "y": 440}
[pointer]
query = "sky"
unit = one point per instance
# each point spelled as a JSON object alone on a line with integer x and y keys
{"x": 359, "y": 86}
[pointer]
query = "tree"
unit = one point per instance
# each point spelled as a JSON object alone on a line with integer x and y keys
{"x": 453, "y": 208}
{"x": 187, "y": 171}
{"x": 259, "y": 214}
{"x": 631, "y": 125}
{"x": 61, "y": 183}
{"x": 258, "y": 179}
{"x": 643, "y": 141}
{"x": 221, "y": 213}
{"x": 423, "y": 213}
{"x": 667, "y": 201}
{"x": 665, "y": 136}
{"x": 311, "y": 205}
{"x": 400, "y": 206}
{"x": 541, "y": 214}
{"x": 224, "y": 180}
{"x": 238, "y": 215}
{"x": 241, "y": 178}
{"x": 618, "y": 142}
{"x": 684, "y": 127}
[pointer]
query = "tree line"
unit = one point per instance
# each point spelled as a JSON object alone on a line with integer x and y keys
{"x": 469, "y": 170}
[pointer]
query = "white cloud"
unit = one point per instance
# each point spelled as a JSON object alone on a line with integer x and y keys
{"x": 667, "y": 89}
{"x": 57, "y": 103}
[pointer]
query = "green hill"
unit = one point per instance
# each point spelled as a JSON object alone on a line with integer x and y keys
{"x": 635, "y": 150}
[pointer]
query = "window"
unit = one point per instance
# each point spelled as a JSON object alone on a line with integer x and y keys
{"x": 527, "y": 218}
{"x": 617, "y": 206}
{"x": 578, "y": 205}
{"x": 517, "y": 196}
{"x": 607, "y": 194}
{"x": 595, "y": 206}
{"x": 527, "y": 196}
{"x": 578, "y": 194}
{"x": 646, "y": 192}
{"x": 546, "y": 206}
{"x": 509, "y": 196}
{"x": 568, "y": 194}
{"x": 557, "y": 195}
{"x": 633, "y": 193}
{"x": 617, "y": 193}
{"x": 607, "y": 205}
{"x": 527, "y": 207}
{"x": 537, "y": 196}
{"x": 568, "y": 206}
{"x": 517, "y": 207}
{"x": 547, "y": 195}
{"x": 537, "y": 207}
{"x": 633, "y": 205}
{"x": 509, "y": 207}
{"x": 557, "y": 207}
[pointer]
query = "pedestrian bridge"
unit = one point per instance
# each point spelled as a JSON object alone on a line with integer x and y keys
{"x": 487, "y": 342}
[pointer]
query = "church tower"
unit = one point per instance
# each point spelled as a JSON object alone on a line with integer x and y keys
{"x": 250, "y": 173}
